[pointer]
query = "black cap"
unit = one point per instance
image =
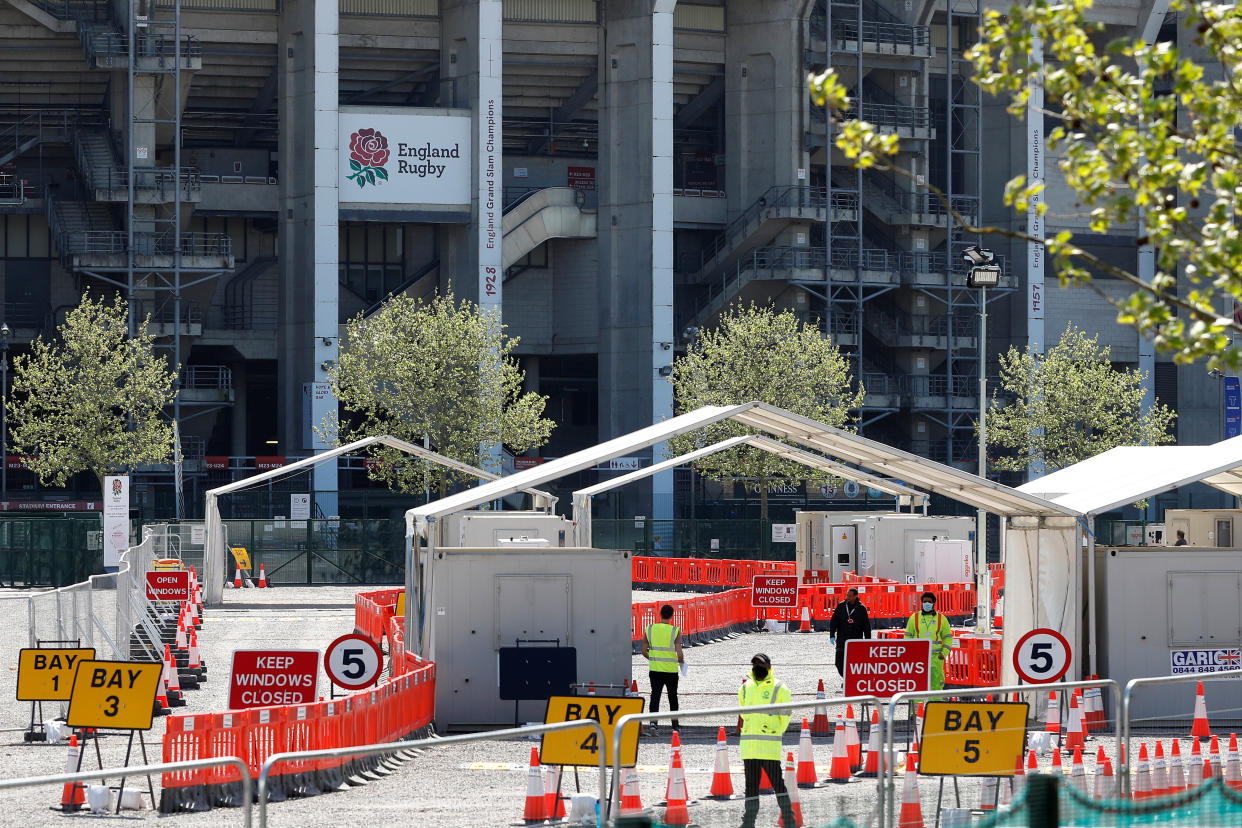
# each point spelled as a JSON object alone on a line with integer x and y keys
{"x": 762, "y": 658}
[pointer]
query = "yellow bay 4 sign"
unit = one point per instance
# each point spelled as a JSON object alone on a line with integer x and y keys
{"x": 116, "y": 695}
{"x": 969, "y": 739}
{"x": 581, "y": 747}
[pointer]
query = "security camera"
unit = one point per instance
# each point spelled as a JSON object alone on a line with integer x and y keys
{"x": 976, "y": 255}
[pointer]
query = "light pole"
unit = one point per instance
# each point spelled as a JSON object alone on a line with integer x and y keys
{"x": 983, "y": 275}
{"x": 4, "y": 405}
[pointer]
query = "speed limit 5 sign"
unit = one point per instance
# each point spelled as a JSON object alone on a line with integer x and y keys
{"x": 353, "y": 662}
{"x": 1041, "y": 656}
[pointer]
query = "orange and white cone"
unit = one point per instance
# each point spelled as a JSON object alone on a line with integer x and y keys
{"x": 1056, "y": 770}
{"x": 1105, "y": 784}
{"x": 1053, "y": 723}
{"x": 911, "y": 809}
{"x": 675, "y": 812}
{"x": 1200, "y": 728}
{"x": 237, "y": 581}
{"x": 839, "y": 771}
{"x": 1095, "y": 719}
{"x": 1078, "y": 773}
{"x": 536, "y": 803}
{"x": 195, "y": 660}
{"x": 634, "y": 687}
{"x": 795, "y": 798}
{"x": 1159, "y": 772}
{"x": 1032, "y": 763}
{"x": 722, "y": 782}
{"x": 1177, "y": 769}
{"x": 195, "y": 619}
{"x": 820, "y": 725}
{"x": 1218, "y": 767}
{"x": 1073, "y": 734}
{"x": 805, "y": 626}
{"x": 1142, "y": 778}
{"x": 1194, "y": 775}
{"x": 1233, "y": 774}
{"x": 675, "y": 748}
{"x": 918, "y": 724}
{"x": 172, "y": 680}
{"x": 631, "y": 801}
{"x": 989, "y": 794}
{"x": 180, "y": 641}
{"x": 871, "y": 768}
{"x": 556, "y": 802}
{"x": 1018, "y": 781}
{"x": 807, "y": 775}
{"x": 852, "y": 742}
{"x": 73, "y": 797}
{"x": 263, "y": 580}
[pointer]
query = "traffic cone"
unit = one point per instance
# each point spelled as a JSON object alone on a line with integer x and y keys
{"x": 1056, "y": 770}
{"x": 1218, "y": 767}
{"x": 195, "y": 660}
{"x": 918, "y": 724}
{"x": 631, "y": 802}
{"x": 181, "y": 642}
{"x": 722, "y": 782}
{"x": 237, "y": 582}
{"x": 1032, "y": 763}
{"x": 1177, "y": 769}
{"x": 1073, "y": 735}
{"x": 1019, "y": 779}
{"x": 263, "y": 585}
{"x": 162, "y": 707}
{"x": 634, "y": 687}
{"x": 172, "y": 680}
{"x": 556, "y": 802}
{"x": 820, "y": 725}
{"x": 989, "y": 794}
{"x": 1105, "y": 785}
{"x": 852, "y": 743}
{"x": 675, "y": 813}
{"x": 196, "y": 620}
{"x": 73, "y": 796}
{"x": 591, "y": 689}
{"x": 1195, "y": 777}
{"x": 675, "y": 749}
{"x": 911, "y": 808}
{"x": 840, "y": 769}
{"x": 807, "y": 776}
{"x": 1053, "y": 723}
{"x": 1078, "y": 773}
{"x": 806, "y": 620}
{"x": 871, "y": 769}
{"x": 536, "y": 804}
{"x": 1095, "y": 711}
{"x": 765, "y": 784}
{"x": 791, "y": 785}
{"x": 1142, "y": 779}
{"x": 1233, "y": 776}
{"x": 1159, "y": 772}
{"x": 1200, "y": 729}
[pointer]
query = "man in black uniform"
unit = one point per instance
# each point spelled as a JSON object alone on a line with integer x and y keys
{"x": 848, "y": 621}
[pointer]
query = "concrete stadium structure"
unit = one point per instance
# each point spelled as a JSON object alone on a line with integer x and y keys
{"x": 631, "y": 169}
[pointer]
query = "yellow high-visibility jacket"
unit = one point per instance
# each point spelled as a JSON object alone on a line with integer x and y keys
{"x": 662, "y": 647}
{"x": 762, "y": 732}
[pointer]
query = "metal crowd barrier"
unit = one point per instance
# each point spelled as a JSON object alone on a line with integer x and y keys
{"x": 142, "y": 770}
{"x": 888, "y": 775}
{"x": 614, "y": 803}
{"x": 1123, "y": 728}
{"x": 401, "y": 747}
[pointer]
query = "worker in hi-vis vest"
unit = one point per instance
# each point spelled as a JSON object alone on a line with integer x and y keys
{"x": 662, "y": 649}
{"x": 761, "y": 739}
{"x": 929, "y": 624}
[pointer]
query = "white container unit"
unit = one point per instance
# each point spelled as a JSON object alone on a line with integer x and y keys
{"x": 944, "y": 561}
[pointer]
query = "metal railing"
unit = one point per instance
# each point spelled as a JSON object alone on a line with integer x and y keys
{"x": 38, "y": 125}
{"x": 750, "y": 265}
{"x": 116, "y": 242}
{"x": 12, "y": 189}
{"x": 105, "y": 43}
{"x": 401, "y": 747}
{"x": 207, "y": 377}
{"x": 1123, "y": 729}
{"x": 144, "y": 770}
{"x": 875, "y": 33}
{"x": 614, "y": 804}
{"x": 888, "y": 766}
{"x": 937, "y": 385}
{"x": 796, "y": 196}
{"x": 888, "y": 115}
{"x": 99, "y": 11}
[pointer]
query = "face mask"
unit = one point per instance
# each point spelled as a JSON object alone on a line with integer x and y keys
{"x": 927, "y": 606}
{"x": 760, "y": 671}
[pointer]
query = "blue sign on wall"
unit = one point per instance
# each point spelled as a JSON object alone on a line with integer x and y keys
{"x": 1233, "y": 407}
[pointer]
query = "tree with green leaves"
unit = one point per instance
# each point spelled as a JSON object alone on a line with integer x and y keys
{"x": 758, "y": 353}
{"x": 440, "y": 370}
{"x": 1069, "y": 404}
{"x": 92, "y": 399}
{"x": 1147, "y": 134}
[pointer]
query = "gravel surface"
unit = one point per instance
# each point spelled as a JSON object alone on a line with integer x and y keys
{"x": 474, "y": 784}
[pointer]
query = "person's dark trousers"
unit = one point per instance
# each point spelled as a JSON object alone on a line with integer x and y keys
{"x": 772, "y": 767}
{"x": 664, "y": 681}
{"x": 841, "y": 660}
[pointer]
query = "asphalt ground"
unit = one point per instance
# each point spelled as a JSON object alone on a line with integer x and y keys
{"x": 483, "y": 783}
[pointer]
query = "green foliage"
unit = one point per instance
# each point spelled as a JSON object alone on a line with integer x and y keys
{"x": 92, "y": 400}
{"x": 1146, "y": 133}
{"x": 1069, "y": 404}
{"x": 756, "y": 353}
{"x": 440, "y": 369}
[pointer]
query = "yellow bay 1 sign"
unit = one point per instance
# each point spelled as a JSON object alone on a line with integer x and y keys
{"x": 972, "y": 739}
{"x": 46, "y": 674}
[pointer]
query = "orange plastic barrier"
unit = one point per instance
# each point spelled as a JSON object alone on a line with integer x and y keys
{"x": 372, "y": 611}
{"x": 703, "y": 572}
{"x": 402, "y": 706}
{"x": 702, "y": 618}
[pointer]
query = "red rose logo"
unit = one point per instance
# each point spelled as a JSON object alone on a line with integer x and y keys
{"x": 368, "y": 153}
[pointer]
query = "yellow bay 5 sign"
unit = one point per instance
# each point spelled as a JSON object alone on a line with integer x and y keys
{"x": 969, "y": 739}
